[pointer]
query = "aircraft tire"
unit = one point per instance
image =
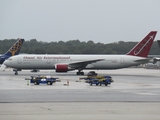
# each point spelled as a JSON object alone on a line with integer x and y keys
{"x": 16, "y": 73}
{"x": 78, "y": 73}
{"x": 82, "y": 73}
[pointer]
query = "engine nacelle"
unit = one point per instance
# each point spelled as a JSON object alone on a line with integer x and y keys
{"x": 61, "y": 68}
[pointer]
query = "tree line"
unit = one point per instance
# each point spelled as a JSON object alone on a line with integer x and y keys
{"x": 74, "y": 47}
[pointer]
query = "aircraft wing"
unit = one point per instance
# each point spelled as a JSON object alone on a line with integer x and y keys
{"x": 83, "y": 64}
{"x": 149, "y": 60}
{"x": 145, "y": 60}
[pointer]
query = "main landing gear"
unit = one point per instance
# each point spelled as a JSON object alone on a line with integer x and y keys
{"x": 80, "y": 73}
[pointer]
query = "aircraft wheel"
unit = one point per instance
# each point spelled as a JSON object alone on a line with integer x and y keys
{"x": 82, "y": 73}
{"x": 16, "y": 73}
{"x": 78, "y": 73}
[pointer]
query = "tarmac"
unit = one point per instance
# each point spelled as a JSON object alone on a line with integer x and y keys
{"x": 134, "y": 94}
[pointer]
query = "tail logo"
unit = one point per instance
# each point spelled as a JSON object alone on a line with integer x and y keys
{"x": 16, "y": 47}
{"x": 143, "y": 45}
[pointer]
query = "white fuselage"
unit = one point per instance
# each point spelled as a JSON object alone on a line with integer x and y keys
{"x": 49, "y": 61}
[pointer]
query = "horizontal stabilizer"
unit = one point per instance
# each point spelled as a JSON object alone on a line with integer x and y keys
{"x": 143, "y": 60}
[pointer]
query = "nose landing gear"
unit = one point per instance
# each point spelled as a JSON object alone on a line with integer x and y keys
{"x": 16, "y": 71}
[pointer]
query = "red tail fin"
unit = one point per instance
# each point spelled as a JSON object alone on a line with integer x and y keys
{"x": 142, "y": 48}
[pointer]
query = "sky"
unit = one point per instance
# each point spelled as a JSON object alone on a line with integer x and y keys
{"x": 104, "y": 21}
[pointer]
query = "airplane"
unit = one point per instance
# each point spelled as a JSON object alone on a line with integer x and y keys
{"x": 14, "y": 50}
{"x": 64, "y": 63}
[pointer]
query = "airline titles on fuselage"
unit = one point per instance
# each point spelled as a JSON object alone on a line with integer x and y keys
{"x": 26, "y": 58}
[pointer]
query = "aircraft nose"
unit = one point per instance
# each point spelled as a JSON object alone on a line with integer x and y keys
{"x": 7, "y": 62}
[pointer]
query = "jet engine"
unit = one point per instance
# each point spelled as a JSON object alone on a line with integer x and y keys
{"x": 61, "y": 68}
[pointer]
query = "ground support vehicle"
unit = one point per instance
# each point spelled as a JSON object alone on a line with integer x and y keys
{"x": 98, "y": 80}
{"x": 92, "y": 73}
{"x": 36, "y": 80}
{"x": 106, "y": 80}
